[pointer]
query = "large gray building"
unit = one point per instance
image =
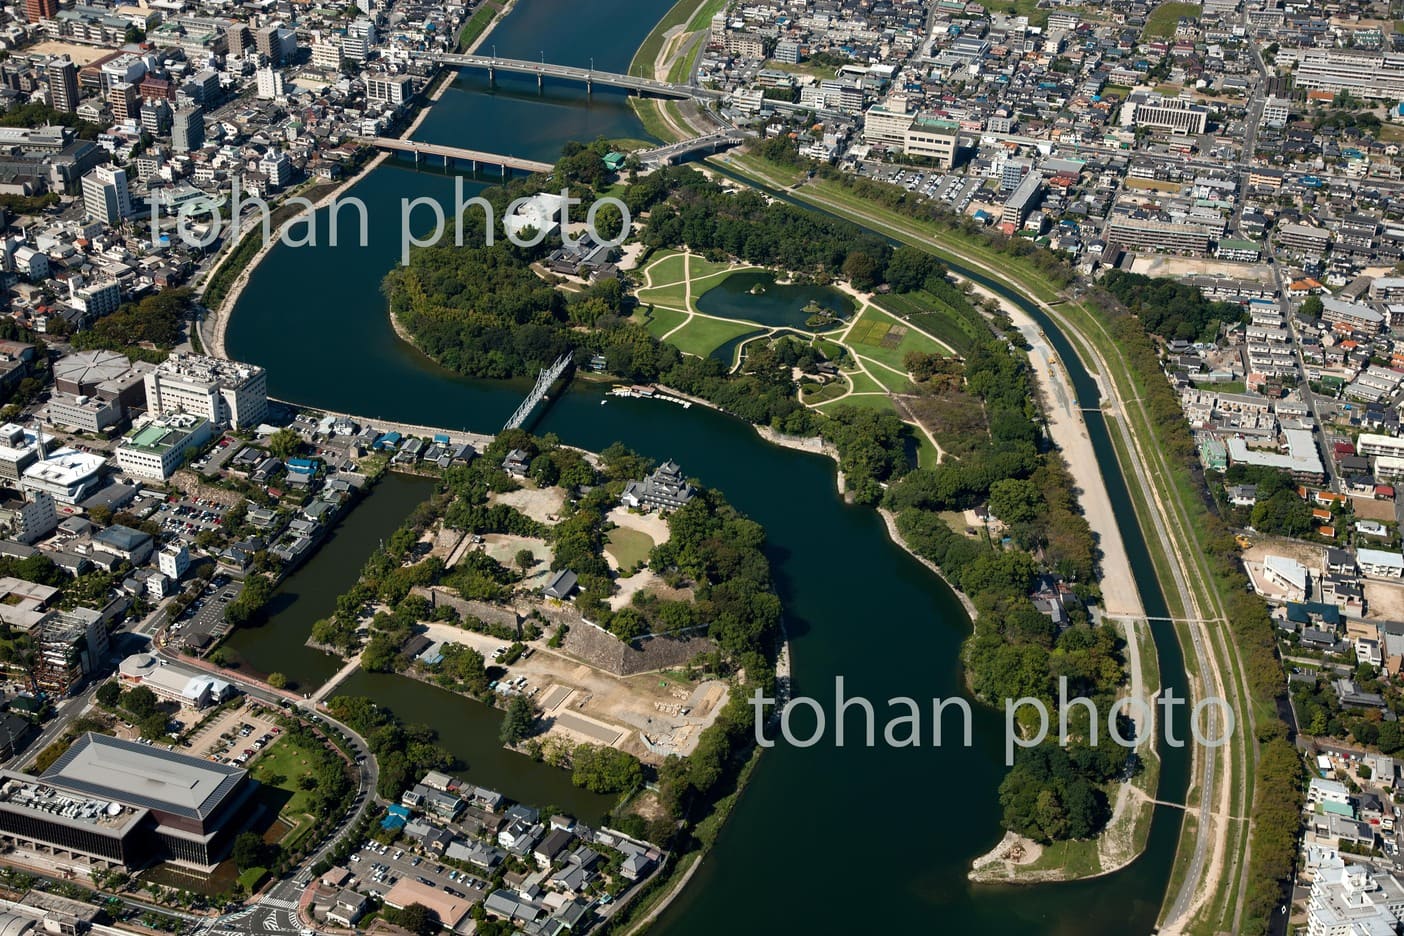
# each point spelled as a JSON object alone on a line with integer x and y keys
{"x": 119, "y": 803}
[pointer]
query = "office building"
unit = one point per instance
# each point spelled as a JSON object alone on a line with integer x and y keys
{"x": 1177, "y": 116}
{"x": 94, "y": 299}
{"x": 239, "y": 39}
{"x": 26, "y": 519}
{"x": 187, "y": 129}
{"x": 1024, "y": 200}
{"x": 174, "y": 682}
{"x": 386, "y": 89}
{"x": 359, "y": 40}
{"x": 173, "y": 560}
{"x": 1276, "y": 112}
{"x": 126, "y": 102}
{"x": 226, "y": 393}
{"x": 68, "y": 645}
{"x": 326, "y": 56}
{"x": 887, "y": 125}
{"x": 277, "y": 44}
{"x": 36, "y": 10}
{"x": 62, "y": 75}
{"x": 106, "y": 197}
{"x": 933, "y": 139}
{"x": 156, "y": 448}
{"x": 19, "y": 448}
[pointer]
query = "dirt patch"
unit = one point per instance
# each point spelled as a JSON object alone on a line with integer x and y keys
{"x": 540, "y": 504}
{"x": 1367, "y": 508}
{"x": 1385, "y": 600}
{"x": 628, "y": 587}
{"x": 504, "y": 548}
{"x": 1308, "y": 554}
{"x": 650, "y": 524}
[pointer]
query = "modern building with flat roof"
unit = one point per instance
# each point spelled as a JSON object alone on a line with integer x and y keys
{"x": 67, "y": 475}
{"x": 224, "y": 392}
{"x": 174, "y": 682}
{"x": 157, "y": 448}
{"x": 188, "y": 808}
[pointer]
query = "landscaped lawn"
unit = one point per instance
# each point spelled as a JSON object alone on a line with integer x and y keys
{"x": 827, "y": 392}
{"x": 873, "y": 401}
{"x": 662, "y": 321}
{"x": 879, "y": 336}
{"x": 702, "y": 336}
{"x": 927, "y": 456}
{"x": 1164, "y": 18}
{"x": 668, "y": 268}
{"x": 628, "y": 547}
{"x": 862, "y": 383}
{"x": 287, "y": 759}
{"x": 894, "y": 383}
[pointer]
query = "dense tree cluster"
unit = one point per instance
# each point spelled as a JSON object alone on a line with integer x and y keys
{"x": 1169, "y": 308}
{"x": 601, "y": 769}
{"x": 1053, "y": 793}
{"x": 156, "y": 322}
{"x": 403, "y": 752}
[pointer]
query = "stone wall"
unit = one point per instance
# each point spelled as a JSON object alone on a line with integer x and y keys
{"x": 603, "y": 650}
{"x": 488, "y": 613}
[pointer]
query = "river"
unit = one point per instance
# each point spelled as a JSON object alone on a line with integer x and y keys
{"x": 825, "y": 839}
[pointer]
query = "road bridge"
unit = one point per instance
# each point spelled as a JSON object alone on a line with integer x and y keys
{"x": 476, "y": 157}
{"x": 589, "y": 76}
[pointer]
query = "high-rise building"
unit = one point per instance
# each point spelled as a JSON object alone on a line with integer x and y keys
{"x": 239, "y": 38}
{"x": 36, "y": 10}
{"x": 63, "y": 84}
{"x": 270, "y": 84}
{"x": 126, "y": 103}
{"x": 106, "y": 197}
{"x": 188, "y": 129}
{"x": 156, "y": 117}
{"x": 278, "y": 45}
{"x": 389, "y": 89}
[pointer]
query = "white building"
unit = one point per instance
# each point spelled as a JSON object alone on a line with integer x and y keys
{"x": 26, "y": 519}
{"x": 174, "y": 682}
{"x": 106, "y": 197}
{"x": 173, "y": 560}
{"x": 226, "y": 393}
{"x": 389, "y": 89}
{"x": 1347, "y": 900}
{"x": 1380, "y": 564}
{"x": 94, "y": 299}
{"x": 67, "y": 475}
{"x": 156, "y": 448}
{"x": 269, "y": 84}
{"x": 1287, "y": 574}
{"x": 326, "y": 56}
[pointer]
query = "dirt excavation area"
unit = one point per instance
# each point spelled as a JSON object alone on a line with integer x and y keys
{"x": 650, "y": 715}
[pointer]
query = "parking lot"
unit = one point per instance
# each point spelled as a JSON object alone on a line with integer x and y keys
{"x": 377, "y": 867}
{"x": 957, "y": 190}
{"x": 203, "y": 621}
{"x": 229, "y": 736}
{"x": 188, "y": 518}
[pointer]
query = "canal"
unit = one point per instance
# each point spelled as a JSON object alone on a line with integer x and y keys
{"x": 887, "y": 835}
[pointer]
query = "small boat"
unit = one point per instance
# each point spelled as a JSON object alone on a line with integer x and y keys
{"x": 603, "y": 402}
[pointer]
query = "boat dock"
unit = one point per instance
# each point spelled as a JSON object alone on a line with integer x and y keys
{"x": 646, "y": 392}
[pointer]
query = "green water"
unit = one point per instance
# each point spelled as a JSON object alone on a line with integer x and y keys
{"x": 825, "y": 840}
{"x": 754, "y": 296}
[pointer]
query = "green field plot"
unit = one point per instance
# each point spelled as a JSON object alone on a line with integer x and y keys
{"x": 877, "y": 336}
{"x": 662, "y": 321}
{"x": 702, "y": 336}
{"x": 628, "y": 547}
{"x": 1164, "y": 18}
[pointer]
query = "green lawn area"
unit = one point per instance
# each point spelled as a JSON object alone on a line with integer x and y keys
{"x": 702, "y": 336}
{"x": 701, "y": 267}
{"x": 674, "y": 296}
{"x": 287, "y": 759}
{"x": 663, "y": 321}
{"x": 1027, "y": 8}
{"x": 827, "y": 392}
{"x": 879, "y": 336}
{"x": 643, "y": 61}
{"x": 872, "y": 401}
{"x": 1164, "y": 18}
{"x": 894, "y": 383}
{"x": 628, "y": 547}
{"x": 251, "y": 878}
{"x": 927, "y": 456}
{"x": 862, "y": 383}
{"x": 476, "y": 24}
{"x": 666, "y": 266}
{"x": 702, "y": 19}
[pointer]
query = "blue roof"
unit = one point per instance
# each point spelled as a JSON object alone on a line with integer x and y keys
{"x": 441, "y": 437}
{"x": 393, "y": 822}
{"x": 399, "y": 810}
{"x": 301, "y": 465}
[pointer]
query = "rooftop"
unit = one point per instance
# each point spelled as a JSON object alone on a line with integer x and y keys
{"x": 133, "y": 773}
